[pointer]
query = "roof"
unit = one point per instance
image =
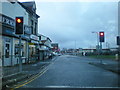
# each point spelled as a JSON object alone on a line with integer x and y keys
{"x": 49, "y": 39}
{"x": 45, "y": 36}
{"x": 43, "y": 41}
{"x": 30, "y": 7}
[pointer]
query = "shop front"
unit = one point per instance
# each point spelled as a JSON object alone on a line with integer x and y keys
{"x": 7, "y": 51}
{"x": 0, "y": 50}
{"x": 10, "y": 42}
{"x": 23, "y": 51}
{"x": 44, "y": 52}
{"x": 7, "y": 39}
{"x": 33, "y": 48}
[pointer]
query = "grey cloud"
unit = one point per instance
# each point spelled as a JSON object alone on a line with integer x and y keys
{"x": 66, "y": 23}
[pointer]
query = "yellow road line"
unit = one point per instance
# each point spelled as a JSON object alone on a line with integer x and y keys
{"x": 32, "y": 79}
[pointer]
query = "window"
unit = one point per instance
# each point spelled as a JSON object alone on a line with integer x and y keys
{"x": 7, "y": 50}
{"x": 32, "y": 27}
{"x": 16, "y": 49}
{"x": 35, "y": 28}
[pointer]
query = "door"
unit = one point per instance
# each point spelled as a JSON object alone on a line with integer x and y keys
{"x": 7, "y": 54}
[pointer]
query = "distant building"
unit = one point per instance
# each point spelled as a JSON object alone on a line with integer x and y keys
{"x": 45, "y": 47}
{"x": 94, "y": 50}
{"x": 55, "y": 47}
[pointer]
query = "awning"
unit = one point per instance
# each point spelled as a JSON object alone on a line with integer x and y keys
{"x": 33, "y": 41}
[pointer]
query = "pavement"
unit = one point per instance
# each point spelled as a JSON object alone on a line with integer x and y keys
{"x": 107, "y": 64}
{"x": 12, "y": 75}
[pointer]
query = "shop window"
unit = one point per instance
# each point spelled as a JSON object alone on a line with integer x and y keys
{"x": 35, "y": 29}
{"x": 23, "y": 52}
{"x": 16, "y": 50}
{"x": 32, "y": 27}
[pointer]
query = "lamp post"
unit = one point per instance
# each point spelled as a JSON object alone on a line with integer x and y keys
{"x": 74, "y": 47}
{"x": 97, "y": 33}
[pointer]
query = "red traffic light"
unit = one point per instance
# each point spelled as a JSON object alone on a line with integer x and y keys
{"x": 18, "y": 20}
{"x": 101, "y": 33}
{"x": 101, "y": 36}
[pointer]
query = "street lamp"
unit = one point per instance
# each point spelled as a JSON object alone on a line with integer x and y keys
{"x": 97, "y": 33}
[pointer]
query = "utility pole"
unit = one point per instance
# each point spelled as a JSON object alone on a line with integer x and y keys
{"x": 97, "y": 46}
{"x": 118, "y": 37}
{"x": 75, "y": 48}
{"x": 75, "y": 44}
{"x": 100, "y": 51}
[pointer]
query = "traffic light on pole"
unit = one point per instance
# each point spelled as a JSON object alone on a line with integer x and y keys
{"x": 19, "y": 25}
{"x": 118, "y": 40}
{"x": 101, "y": 36}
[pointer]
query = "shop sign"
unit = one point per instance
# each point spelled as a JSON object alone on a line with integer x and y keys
{"x": 27, "y": 29}
{"x": 34, "y": 37}
{"x": 25, "y": 36}
{"x": 32, "y": 41}
{"x": 7, "y": 31}
{"x": 7, "y": 20}
{"x": 7, "y": 39}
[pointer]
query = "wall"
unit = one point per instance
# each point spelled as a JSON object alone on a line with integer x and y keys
{"x": 48, "y": 43}
{"x": 13, "y": 10}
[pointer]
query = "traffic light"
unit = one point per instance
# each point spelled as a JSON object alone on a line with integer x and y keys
{"x": 19, "y": 25}
{"x": 101, "y": 36}
{"x": 118, "y": 40}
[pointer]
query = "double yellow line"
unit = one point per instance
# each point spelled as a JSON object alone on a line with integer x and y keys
{"x": 32, "y": 78}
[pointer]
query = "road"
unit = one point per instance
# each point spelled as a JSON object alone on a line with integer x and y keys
{"x": 73, "y": 71}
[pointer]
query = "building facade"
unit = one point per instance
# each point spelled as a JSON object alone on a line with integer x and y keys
{"x": 55, "y": 47}
{"x": 33, "y": 23}
{"x": 45, "y": 47}
{"x": 10, "y": 41}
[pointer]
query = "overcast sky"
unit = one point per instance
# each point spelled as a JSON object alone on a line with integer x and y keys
{"x": 71, "y": 23}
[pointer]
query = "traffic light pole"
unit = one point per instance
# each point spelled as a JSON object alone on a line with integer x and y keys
{"x": 119, "y": 52}
{"x": 98, "y": 48}
{"x": 101, "y": 52}
{"x": 20, "y": 55}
